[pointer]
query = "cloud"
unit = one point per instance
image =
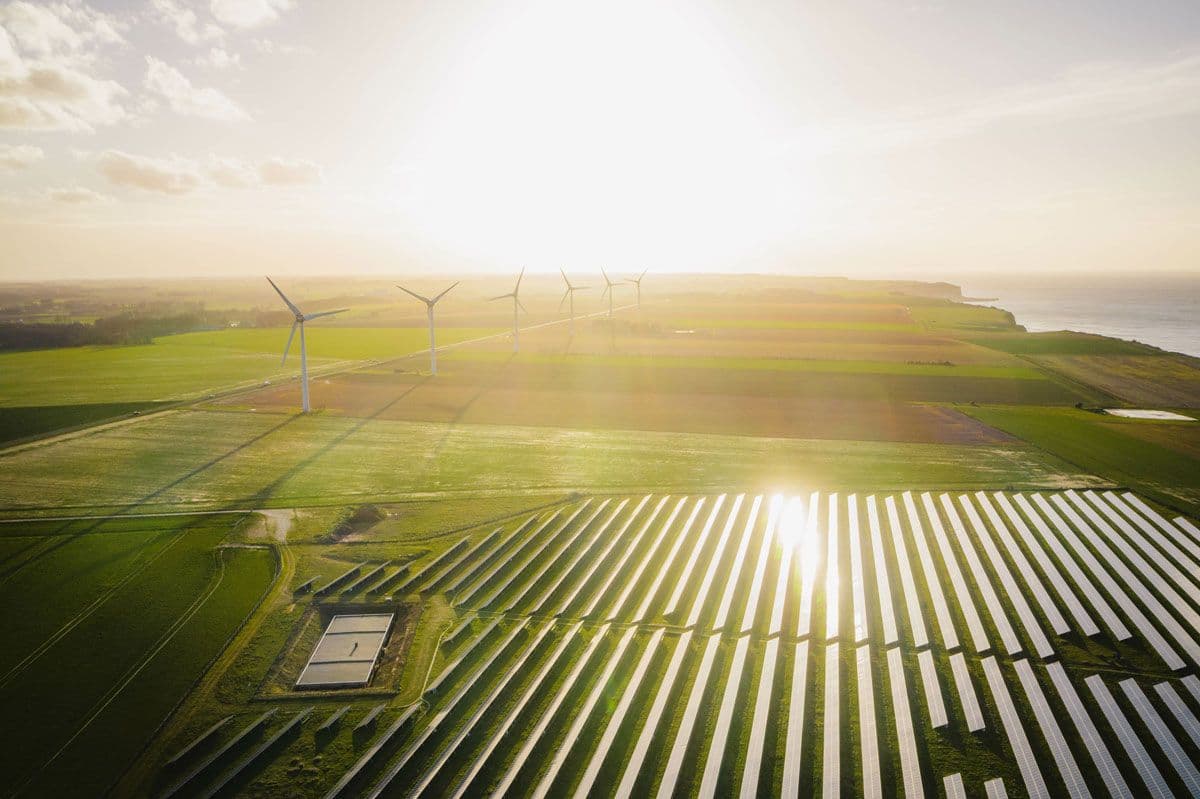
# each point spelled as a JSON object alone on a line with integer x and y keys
{"x": 283, "y": 172}
{"x": 76, "y": 195}
{"x": 19, "y": 156}
{"x": 248, "y": 13}
{"x": 46, "y": 68}
{"x": 184, "y": 22}
{"x": 219, "y": 58}
{"x": 231, "y": 174}
{"x": 174, "y": 176}
{"x": 186, "y": 99}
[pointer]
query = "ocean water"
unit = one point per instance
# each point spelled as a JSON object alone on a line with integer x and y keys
{"x": 1160, "y": 310}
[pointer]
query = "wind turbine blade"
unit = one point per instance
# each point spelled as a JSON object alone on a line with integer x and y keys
{"x": 607, "y": 289}
{"x": 520, "y": 304}
{"x": 288, "y": 348}
{"x": 642, "y": 275}
{"x": 606, "y": 280}
{"x": 444, "y": 293}
{"x": 517, "y": 288}
{"x": 501, "y": 297}
{"x": 313, "y": 316}
{"x": 565, "y": 280}
{"x": 425, "y": 300}
{"x": 283, "y": 297}
{"x": 563, "y": 301}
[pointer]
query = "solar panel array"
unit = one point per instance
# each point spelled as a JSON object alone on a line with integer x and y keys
{"x": 743, "y": 644}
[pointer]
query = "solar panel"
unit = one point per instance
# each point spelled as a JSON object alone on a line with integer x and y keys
{"x": 582, "y": 549}
{"x": 1192, "y": 683}
{"x": 668, "y": 564}
{"x": 1162, "y": 734}
{"x": 857, "y": 584}
{"x": 1164, "y": 525}
{"x": 916, "y": 620}
{"x": 618, "y": 570}
{"x": 476, "y": 568}
{"x": 983, "y": 583}
{"x": 793, "y": 754}
{"x": 564, "y": 690}
{"x": 788, "y": 539}
{"x": 910, "y": 762}
{"x": 1041, "y": 645}
{"x": 831, "y": 770}
{"x": 546, "y": 532}
{"x": 883, "y": 588}
{"x": 1105, "y": 765}
{"x": 720, "y": 733}
{"x": 1140, "y": 622}
{"x": 576, "y": 545}
{"x": 735, "y": 572}
{"x": 550, "y": 666}
{"x": 1130, "y": 741}
{"x": 1067, "y": 767}
{"x": 832, "y": 578}
{"x": 1097, "y": 600}
{"x": 994, "y": 789}
{"x": 758, "y": 729}
{"x": 1164, "y": 617}
{"x": 1173, "y": 544}
{"x": 1184, "y": 524}
{"x": 962, "y": 593}
{"x": 372, "y": 752}
{"x": 1024, "y": 567}
{"x": 634, "y": 580}
{"x": 966, "y": 693}
{"x": 564, "y": 745}
{"x": 654, "y": 717}
{"x": 1182, "y": 713}
{"x": 615, "y": 721}
{"x": 697, "y": 550}
{"x": 760, "y": 569}
{"x": 714, "y": 563}
{"x": 666, "y": 787}
{"x": 933, "y": 581}
{"x": 954, "y": 786}
{"x": 872, "y": 785}
{"x": 933, "y": 690}
{"x": 599, "y": 560}
{"x": 810, "y": 556}
{"x": 1014, "y": 730}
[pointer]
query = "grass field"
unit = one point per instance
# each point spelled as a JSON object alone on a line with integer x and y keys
{"x": 111, "y": 623}
{"x": 213, "y": 459}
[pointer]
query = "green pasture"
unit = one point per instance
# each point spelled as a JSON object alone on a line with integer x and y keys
{"x": 113, "y": 623}
{"x": 767, "y": 323}
{"x": 191, "y": 365}
{"x": 1060, "y": 343}
{"x": 1104, "y": 446}
{"x": 197, "y": 459}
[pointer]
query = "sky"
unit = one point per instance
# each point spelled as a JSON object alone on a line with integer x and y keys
{"x": 884, "y": 139}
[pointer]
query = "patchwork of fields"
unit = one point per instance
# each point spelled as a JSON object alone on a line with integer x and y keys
{"x": 721, "y": 644}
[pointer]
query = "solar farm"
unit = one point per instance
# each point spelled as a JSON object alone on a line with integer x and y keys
{"x": 897, "y": 644}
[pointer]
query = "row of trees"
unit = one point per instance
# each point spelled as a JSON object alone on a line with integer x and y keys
{"x": 124, "y": 328}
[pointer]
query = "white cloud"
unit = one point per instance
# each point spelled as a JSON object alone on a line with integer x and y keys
{"x": 248, "y": 13}
{"x": 230, "y": 173}
{"x": 19, "y": 156}
{"x": 186, "y": 99}
{"x": 283, "y": 172}
{"x": 219, "y": 58}
{"x": 47, "y": 79}
{"x": 184, "y": 21}
{"x": 76, "y": 195}
{"x": 164, "y": 176}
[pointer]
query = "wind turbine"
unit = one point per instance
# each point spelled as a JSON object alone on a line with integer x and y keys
{"x": 608, "y": 286}
{"x": 301, "y": 318}
{"x": 516, "y": 304}
{"x": 637, "y": 281}
{"x": 429, "y": 307}
{"x": 569, "y": 294}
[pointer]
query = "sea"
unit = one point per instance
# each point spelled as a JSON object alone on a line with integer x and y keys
{"x": 1156, "y": 309}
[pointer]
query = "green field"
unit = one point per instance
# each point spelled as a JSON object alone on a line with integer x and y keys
{"x": 108, "y": 625}
{"x": 212, "y": 459}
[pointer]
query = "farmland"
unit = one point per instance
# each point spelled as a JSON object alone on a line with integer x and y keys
{"x": 606, "y": 555}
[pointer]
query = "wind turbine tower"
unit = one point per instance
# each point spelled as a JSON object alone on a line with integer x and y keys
{"x": 608, "y": 289}
{"x": 432, "y": 337}
{"x": 569, "y": 296}
{"x": 637, "y": 281}
{"x": 515, "y": 294}
{"x": 299, "y": 321}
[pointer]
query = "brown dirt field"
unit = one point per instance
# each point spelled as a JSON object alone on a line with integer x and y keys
{"x": 594, "y": 339}
{"x": 771, "y": 416}
{"x": 1152, "y": 381}
{"x": 735, "y": 310}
